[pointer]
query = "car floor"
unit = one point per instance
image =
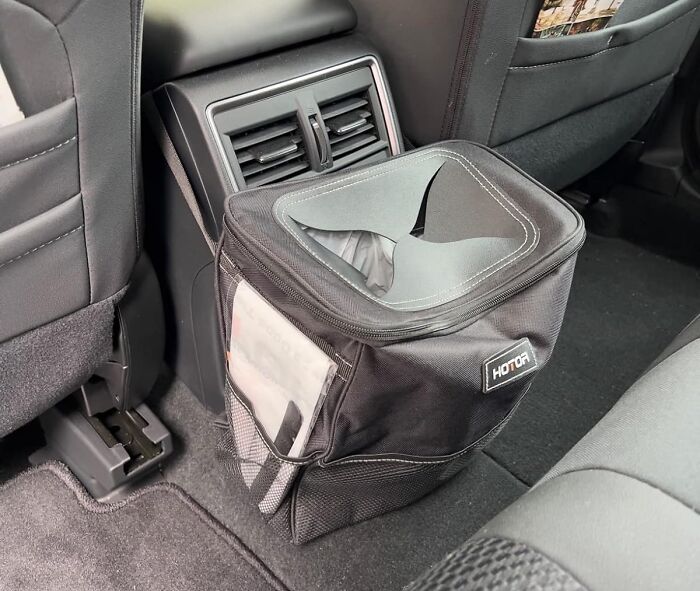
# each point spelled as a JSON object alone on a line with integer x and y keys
{"x": 384, "y": 553}
{"x": 157, "y": 539}
{"x": 626, "y": 304}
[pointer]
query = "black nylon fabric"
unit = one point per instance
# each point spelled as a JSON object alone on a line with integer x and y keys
{"x": 401, "y": 416}
{"x": 253, "y": 237}
{"x": 424, "y": 397}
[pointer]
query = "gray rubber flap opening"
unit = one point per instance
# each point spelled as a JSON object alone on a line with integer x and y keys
{"x": 410, "y": 236}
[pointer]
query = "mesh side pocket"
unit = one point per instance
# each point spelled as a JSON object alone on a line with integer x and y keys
{"x": 345, "y": 492}
{"x": 246, "y": 454}
{"x": 351, "y": 491}
{"x": 242, "y": 449}
{"x": 229, "y": 278}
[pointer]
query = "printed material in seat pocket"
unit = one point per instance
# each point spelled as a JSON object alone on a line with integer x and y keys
{"x": 558, "y": 18}
{"x": 284, "y": 375}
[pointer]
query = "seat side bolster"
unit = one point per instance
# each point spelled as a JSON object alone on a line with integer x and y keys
{"x": 651, "y": 434}
{"x": 609, "y": 531}
{"x": 689, "y": 334}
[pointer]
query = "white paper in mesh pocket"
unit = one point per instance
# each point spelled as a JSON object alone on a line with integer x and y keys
{"x": 284, "y": 374}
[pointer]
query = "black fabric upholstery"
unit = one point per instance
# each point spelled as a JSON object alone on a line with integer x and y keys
{"x": 65, "y": 71}
{"x": 34, "y": 59}
{"x": 634, "y": 10}
{"x": 489, "y": 564}
{"x": 651, "y": 433}
{"x": 54, "y": 10}
{"x": 486, "y": 80}
{"x": 42, "y": 365}
{"x": 559, "y": 153}
{"x": 418, "y": 42}
{"x": 70, "y": 178}
{"x": 620, "y": 510}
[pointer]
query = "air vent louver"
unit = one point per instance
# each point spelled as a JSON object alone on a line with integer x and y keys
{"x": 351, "y": 126}
{"x": 271, "y": 152}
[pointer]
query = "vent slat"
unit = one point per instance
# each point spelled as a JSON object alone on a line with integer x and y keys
{"x": 271, "y": 152}
{"x": 255, "y": 167}
{"x": 341, "y": 107}
{"x": 277, "y": 174}
{"x": 263, "y": 134}
{"x": 247, "y": 155}
{"x": 352, "y": 144}
{"x": 339, "y": 138}
{"x": 276, "y": 150}
{"x": 350, "y": 126}
{"x": 349, "y": 122}
{"x": 371, "y": 153}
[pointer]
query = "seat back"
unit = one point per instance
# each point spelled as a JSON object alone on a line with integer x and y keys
{"x": 559, "y": 106}
{"x": 69, "y": 192}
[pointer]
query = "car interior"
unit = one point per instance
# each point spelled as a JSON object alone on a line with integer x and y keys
{"x": 350, "y": 295}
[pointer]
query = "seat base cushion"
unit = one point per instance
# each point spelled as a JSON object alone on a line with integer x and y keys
{"x": 609, "y": 531}
{"x": 496, "y": 563}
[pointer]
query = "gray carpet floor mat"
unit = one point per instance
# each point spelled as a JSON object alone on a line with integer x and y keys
{"x": 385, "y": 553}
{"x": 626, "y": 305}
{"x": 54, "y": 536}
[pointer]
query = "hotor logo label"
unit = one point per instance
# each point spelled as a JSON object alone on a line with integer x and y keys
{"x": 509, "y": 365}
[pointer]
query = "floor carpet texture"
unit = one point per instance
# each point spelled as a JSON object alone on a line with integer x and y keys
{"x": 55, "y": 537}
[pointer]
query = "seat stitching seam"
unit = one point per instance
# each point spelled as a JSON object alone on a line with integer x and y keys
{"x": 24, "y": 254}
{"x": 43, "y": 152}
{"x": 456, "y": 83}
{"x": 70, "y": 13}
{"x": 35, "y": 9}
{"x": 79, "y": 164}
{"x": 135, "y": 55}
{"x": 573, "y": 59}
{"x": 494, "y": 114}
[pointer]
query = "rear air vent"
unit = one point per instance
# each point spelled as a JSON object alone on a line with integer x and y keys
{"x": 304, "y": 127}
{"x": 270, "y": 153}
{"x": 351, "y": 127}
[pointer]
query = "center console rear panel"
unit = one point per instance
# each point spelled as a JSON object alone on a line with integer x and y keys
{"x": 188, "y": 109}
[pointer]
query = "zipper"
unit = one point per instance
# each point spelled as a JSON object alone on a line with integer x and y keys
{"x": 396, "y": 333}
{"x": 463, "y": 68}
